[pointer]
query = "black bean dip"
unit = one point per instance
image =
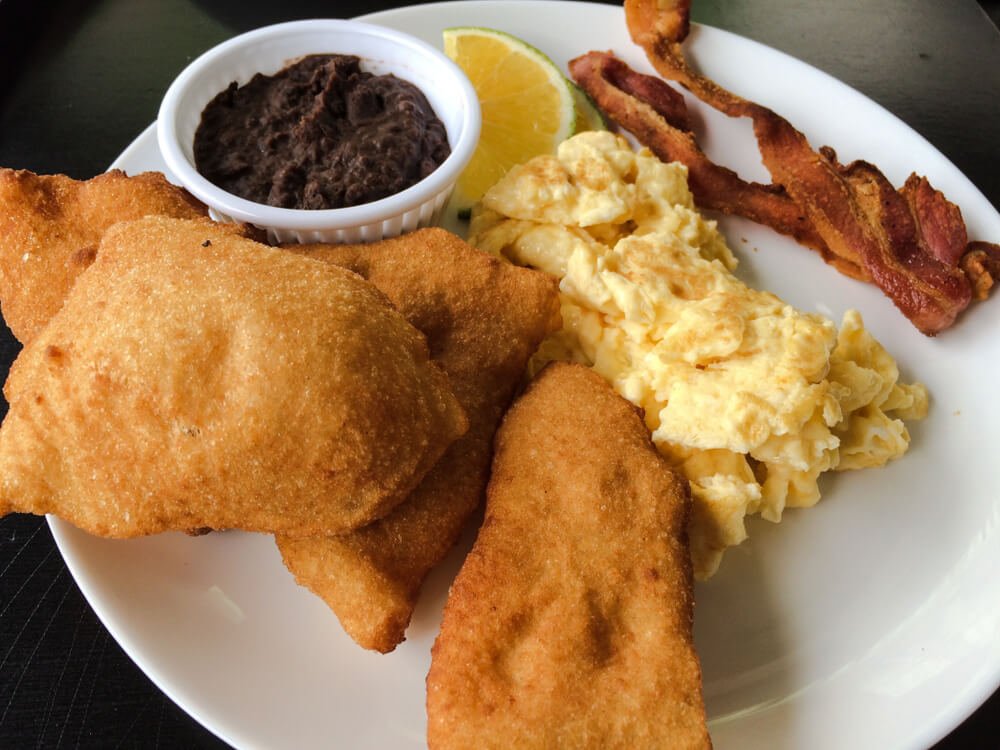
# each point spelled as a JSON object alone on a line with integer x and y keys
{"x": 321, "y": 133}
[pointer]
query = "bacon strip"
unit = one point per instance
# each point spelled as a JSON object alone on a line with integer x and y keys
{"x": 928, "y": 291}
{"x": 981, "y": 264}
{"x": 656, "y": 114}
{"x": 912, "y": 242}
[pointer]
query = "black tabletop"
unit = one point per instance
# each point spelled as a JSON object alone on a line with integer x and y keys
{"x": 80, "y": 79}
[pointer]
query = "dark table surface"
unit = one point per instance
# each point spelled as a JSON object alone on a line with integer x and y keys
{"x": 79, "y": 80}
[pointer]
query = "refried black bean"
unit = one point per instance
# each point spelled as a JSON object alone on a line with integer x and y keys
{"x": 321, "y": 133}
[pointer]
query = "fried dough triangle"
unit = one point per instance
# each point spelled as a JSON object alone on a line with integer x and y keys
{"x": 51, "y": 225}
{"x": 483, "y": 320}
{"x": 569, "y": 624}
{"x": 194, "y": 378}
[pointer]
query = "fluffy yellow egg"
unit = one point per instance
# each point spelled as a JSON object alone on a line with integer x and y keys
{"x": 750, "y": 398}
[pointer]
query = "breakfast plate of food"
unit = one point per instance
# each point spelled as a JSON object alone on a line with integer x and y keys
{"x": 817, "y": 392}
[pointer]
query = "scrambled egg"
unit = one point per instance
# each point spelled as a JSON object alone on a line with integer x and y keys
{"x": 750, "y": 398}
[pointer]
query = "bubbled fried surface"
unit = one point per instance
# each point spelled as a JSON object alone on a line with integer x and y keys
{"x": 570, "y": 623}
{"x": 194, "y": 378}
{"x": 483, "y": 319}
{"x": 51, "y": 225}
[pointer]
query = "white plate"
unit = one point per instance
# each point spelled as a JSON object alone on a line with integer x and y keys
{"x": 870, "y": 621}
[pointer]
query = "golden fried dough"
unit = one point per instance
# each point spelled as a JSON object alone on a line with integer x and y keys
{"x": 194, "y": 378}
{"x": 483, "y": 319}
{"x": 570, "y": 622}
{"x": 51, "y": 225}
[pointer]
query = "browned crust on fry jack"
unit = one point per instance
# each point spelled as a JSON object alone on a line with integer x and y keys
{"x": 570, "y": 623}
{"x": 483, "y": 319}
{"x": 194, "y": 378}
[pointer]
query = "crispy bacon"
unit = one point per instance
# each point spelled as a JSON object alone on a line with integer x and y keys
{"x": 656, "y": 114}
{"x": 928, "y": 291}
{"x": 942, "y": 229}
{"x": 981, "y": 264}
{"x": 911, "y": 242}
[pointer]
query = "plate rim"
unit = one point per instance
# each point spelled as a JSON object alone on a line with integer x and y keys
{"x": 945, "y": 720}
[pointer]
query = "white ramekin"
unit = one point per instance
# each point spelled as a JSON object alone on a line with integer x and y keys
{"x": 267, "y": 51}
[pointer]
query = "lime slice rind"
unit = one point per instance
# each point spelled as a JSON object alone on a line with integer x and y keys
{"x": 588, "y": 116}
{"x": 544, "y": 93}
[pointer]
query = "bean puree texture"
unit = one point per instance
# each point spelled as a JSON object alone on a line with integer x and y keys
{"x": 321, "y": 133}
